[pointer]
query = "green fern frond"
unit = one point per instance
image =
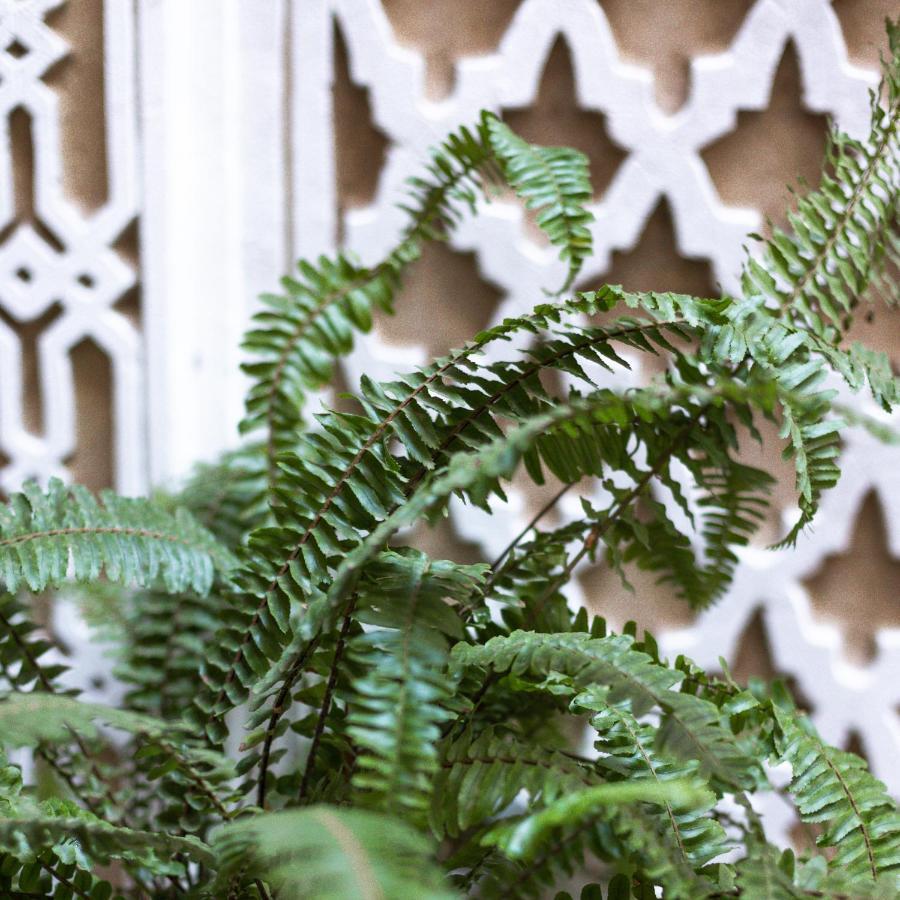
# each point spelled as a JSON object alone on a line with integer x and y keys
{"x": 840, "y": 234}
{"x": 554, "y": 182}
{"x": 629, "y": 751}
{"x": 193, "y": 777}
{"x": 480, "y": 776}
{"x": 298, "y": 336}
{"x": 861, "y": 366}
{"x": 164, "y": 639}
{"x": 347, "y": 479}
{"x": 794, "y": 365}
{"x": 161, "y": 641}
{"x": 690, "y": 728}
{"x": 567, "y": 437}
{"x": 327, "y": 852}
{"x": 32, "y": 828}
{"x": 523, "y": 838}
{"x": 833, "y": 787}
{"x": 401, "y": 687}
{"x": 131, "y": 541}
{"x": 629, "y": 833}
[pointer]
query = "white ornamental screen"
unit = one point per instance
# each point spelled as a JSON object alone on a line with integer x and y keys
{"x": 238, "y": 165}
{"x": 56, "y": 256}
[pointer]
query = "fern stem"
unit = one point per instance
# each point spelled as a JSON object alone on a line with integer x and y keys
{"x": 278, "y": 708}
{"x": 862, "y": 825}
{"x": 325, "y": 707}
{"x": 51, "y": 871}
{"x": 679, "y": 840}
{"x": 201, "y": 783}
{"x": 123, "y": 531}
{"x": 469, "y": 760}
{"x": 600, "y": 528}
{"x": 495, "y": 571}
{"x": 590, "y": 541}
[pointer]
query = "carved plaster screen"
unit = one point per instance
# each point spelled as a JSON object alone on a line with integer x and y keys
{"x": 163, "y": 162}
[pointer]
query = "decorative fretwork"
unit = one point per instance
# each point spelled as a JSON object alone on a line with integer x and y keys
{"x": 61, "y": 257}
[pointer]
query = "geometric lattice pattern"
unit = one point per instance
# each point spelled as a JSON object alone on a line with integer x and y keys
{"x": 63, "y": 258}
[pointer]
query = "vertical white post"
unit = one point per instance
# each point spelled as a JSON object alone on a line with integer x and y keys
{"x": 213, "y": 230}
{"x": 314, "y": 205}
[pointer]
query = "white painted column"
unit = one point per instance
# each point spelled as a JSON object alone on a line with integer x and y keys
{"x": 213, "y": 232}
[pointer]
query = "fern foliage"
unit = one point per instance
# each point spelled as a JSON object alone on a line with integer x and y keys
{"x": 315, "y": 707}
{"x": 553, "y": 181}
{"x": 131, "y": 541}
{"x": 833, "y": 787}
{"x": 322, "y": 851}
{"x": 842, "y": 238}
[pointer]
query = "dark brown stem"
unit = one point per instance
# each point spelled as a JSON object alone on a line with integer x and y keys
{"x": 278, "y": 708}
{"x": 325, "y": 708}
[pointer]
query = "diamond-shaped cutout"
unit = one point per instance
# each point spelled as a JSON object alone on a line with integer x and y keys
{"x": 27, "y": 267}
{"x": 16, "y": 49}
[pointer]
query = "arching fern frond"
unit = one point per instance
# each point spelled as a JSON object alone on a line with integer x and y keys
{"x": 628, "y": 835}
{"x": 625, "y": 809}
{"x": 554, "y": 182}
{"x": 690, "y": 728}
{"x": 523, "y": 838}
{"x": 628, "y": 751}
{"x": 401, "y": 689}
{"x": 324, "y": 852}
{"x": 131, "y": 541}
{"x": 297, "y": 337}
{"x": 844, "y": 233}
{"x": 833, "y": 787}
{"x": 480, "y": 776}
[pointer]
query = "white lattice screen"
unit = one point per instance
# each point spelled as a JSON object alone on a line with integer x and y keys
{"x": 232, "y": 137}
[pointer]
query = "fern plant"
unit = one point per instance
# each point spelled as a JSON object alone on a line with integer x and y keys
{"x": 315, "y": 708}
